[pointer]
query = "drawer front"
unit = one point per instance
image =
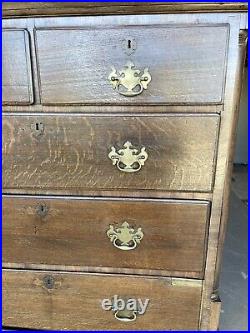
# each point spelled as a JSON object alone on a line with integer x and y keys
{"x": 67, "y": 301}
{"x": 83, "y": 65}
{"x": 16, "y": 76}
{"x": 74, "y": 153}
{"x": 143, "y": 234}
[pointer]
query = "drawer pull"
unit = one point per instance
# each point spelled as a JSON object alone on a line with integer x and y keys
{"x": 129, "y": 81}
{"x": 125, "y": 237}
{"x": 128, "y": 159}
{"x": 125, "y": 315}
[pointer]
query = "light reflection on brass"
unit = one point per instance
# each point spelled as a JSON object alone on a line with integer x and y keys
{"x": 129, "y": 81}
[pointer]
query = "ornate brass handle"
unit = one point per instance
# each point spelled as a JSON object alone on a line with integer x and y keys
{"x": 125, "y": 237}
{"x": 128, "y": 159}
{"x": 125, "y": 315}
{"x": 129, "y": 81}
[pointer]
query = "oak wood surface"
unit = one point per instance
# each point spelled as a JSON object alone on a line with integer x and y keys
{"x": 228, "y": 111}
{"x": 71, "y": 153}
{"x": 74, "y": 301}
{"x": 227, "y": 188}
{"x": 15, "y": 9}
{"x": 17, "y": 78}
{"x": 74, "y": 64}
{"x": 220, "y": 198}
{"x": 90, "y": 109}
{"x": 122, "y": 193}
{"x": 215, "y": 315}
{"x": 74, "y": 233}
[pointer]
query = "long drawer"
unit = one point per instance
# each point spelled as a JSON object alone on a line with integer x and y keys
{"x": 108, "y": 234}
{"x": 48, "y": 153}
{"x": 143, "y": 64}
{"x": 67, "y": 301}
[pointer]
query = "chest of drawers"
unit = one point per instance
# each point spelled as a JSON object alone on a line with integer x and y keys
{"x": 118, "y": 132}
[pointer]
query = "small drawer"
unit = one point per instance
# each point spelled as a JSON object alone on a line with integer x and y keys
{"x": 149, "y": 64}
{"x": 70, "y": 301}
{"x": 17, "y": 77}
{"x": 107, "y": 234}
{"x": 72, "y": 154}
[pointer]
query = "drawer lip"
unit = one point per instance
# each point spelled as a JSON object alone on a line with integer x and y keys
{"x": 105, "y": 101}
{"x": 152, "y": 273}
{"x": 170, "y": 280}
{"x": 104, "y": 165}
{"x": 100, "y": 198}
{"x": 29, "y": 70}
{"x": 155, "y": 256}
{"x": 184, "y": 294}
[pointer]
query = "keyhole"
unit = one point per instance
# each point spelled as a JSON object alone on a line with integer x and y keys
{"x": 49, "y": 282}
{"x": 39, "y": 126}
{"x": 129, "y": 45}
{"x": 37, "y": 129}
{"x": 42, "y": 210}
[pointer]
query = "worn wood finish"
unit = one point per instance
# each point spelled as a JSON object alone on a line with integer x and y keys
{"x": 122, "y": 193}
{"x": 220, "y": 194}
{"x": 209, "y": 310}
{"x": 174, "y": 233}
{"x": 227, "y": 188}
{"x": 72, "y": 152}
{"x": 215, "y": 314}
{"x": 90, "y": 109}
{"x": 17, "y": 78}
{"x": 74, "y": 64}
{"x": 15, "y": 9}
{"x": 110, "y": 270}
{"x": 75, "y": 302}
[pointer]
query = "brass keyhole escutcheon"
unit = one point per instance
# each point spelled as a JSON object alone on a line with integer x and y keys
{"x": 42, "y": 209}
{"x": 49, "y": 282}
{"x": 129, "y": 45}
{"x": 37, "y": 129}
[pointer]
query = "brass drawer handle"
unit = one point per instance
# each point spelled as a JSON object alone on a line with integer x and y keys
{"x": 128, "y": 159}
{"x": 125, "y": 237}
{"x": 129, "y": 81}
{"x": 125, "y": 315}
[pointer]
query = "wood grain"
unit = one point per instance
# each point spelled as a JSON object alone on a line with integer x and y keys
{"x": 220, "y": 195}
{"x": 16, "y": 9}
{"x": 74, "y": 63}
{"x": 75, "y": 302}
{"x": 22, "y": 163}
{"x": 73, "y": 233}
{"x": 90, "y": 109}
{"x": 17, "y": 78}
{"x": 215, "y": 315}
{"x": 71, "y": 153}
{"x": 227, "y": 188}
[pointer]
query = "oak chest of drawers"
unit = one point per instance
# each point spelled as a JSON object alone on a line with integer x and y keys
{"x": 118, "y": 134}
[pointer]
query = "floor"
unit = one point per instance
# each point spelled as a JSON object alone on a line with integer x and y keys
{"x": 234, "y": 275}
